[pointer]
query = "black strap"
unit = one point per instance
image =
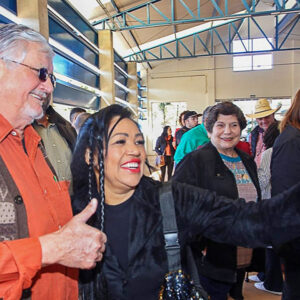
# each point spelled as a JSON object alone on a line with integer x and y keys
{"x": 172, "y": 245}
{"x": 170, "y": 227}
{"x": 42, "y": 148}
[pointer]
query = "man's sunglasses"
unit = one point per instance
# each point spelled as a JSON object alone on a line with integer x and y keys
{"x": 42, "y": 72}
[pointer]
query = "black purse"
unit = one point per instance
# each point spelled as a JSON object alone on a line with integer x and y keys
{"x": 177, "y": 284}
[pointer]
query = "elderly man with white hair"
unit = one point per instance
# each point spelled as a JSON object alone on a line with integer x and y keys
{"x": 41, "y": 244}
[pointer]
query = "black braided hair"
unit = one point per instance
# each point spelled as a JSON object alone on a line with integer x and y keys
{"x": 94, "y": 136}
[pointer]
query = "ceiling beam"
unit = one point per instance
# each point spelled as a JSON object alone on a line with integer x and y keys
{"x": 149, "y": 7}
{"x": 166, "y": 50}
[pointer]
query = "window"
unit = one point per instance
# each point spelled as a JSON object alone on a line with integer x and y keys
{"x": 253, "y": 61}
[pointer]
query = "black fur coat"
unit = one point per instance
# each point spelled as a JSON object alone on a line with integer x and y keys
{"x": 198, "y": 211}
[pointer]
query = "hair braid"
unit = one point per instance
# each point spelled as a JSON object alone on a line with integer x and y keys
{"x": 101, "y": 187}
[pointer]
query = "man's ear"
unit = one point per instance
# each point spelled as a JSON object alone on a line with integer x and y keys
{"x": 2, "y": 68}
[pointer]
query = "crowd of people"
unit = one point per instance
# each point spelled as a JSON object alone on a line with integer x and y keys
{"x": 247, "y": 169}
{"x": 107, "y": 240}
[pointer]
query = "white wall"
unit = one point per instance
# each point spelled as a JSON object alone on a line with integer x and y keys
{"x": 199, "y": 81}
{"x": 264, "y": 83}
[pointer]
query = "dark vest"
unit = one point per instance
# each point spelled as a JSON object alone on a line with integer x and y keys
{"x": 13, "y": 217}
{"x": 254, "y": 138}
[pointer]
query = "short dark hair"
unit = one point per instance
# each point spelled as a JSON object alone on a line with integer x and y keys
{"x": 225, "y": 108}
{"x": 75, "y": 110}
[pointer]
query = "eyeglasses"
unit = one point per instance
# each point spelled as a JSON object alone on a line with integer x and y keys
{"x": 43, "y": 73}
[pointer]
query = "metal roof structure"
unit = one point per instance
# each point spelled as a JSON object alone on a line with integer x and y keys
{"x": 158, "y": 30}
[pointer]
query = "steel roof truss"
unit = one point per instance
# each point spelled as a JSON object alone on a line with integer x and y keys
{"x": 185, "y": 47}
{"x": 289, "y": 32}
{"x": 203, "y": 44}
{"x": 250, "y": 10}
{"x": 220, "y": 39}
{"x": 263, "y": 33}
{"x": 187, "y": 9}
{"x": 233, "y": 31}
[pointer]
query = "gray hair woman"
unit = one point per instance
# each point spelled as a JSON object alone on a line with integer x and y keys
{"x": 222, "y": 167}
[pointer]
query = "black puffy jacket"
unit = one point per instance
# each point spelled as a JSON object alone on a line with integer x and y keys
{"x": 198, "y": 211}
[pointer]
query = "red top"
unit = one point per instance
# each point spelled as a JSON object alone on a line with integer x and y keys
{"x": 48, "y": 207}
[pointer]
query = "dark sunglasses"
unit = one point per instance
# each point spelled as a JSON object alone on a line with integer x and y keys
{"x": 43, "y": 73}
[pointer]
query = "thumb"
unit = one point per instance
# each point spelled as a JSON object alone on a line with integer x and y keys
{"x": 89, "y": 210}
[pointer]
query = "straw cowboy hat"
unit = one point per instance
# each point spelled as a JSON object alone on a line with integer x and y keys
{"x": 262, "y": 109}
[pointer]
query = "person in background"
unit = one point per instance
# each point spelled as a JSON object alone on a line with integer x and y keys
{"x": 192, "y": 139}
{"x": 181, "y": 123}
{"x": 285, "y": 171}
{"x": 165, "y": 147}
{"x": 273, "y": 279}
{"x": 41, "y": 244}
{"x": 230, "y": 172}
{"x": 264, "y": 116}
{"x": 74, "y": 113}
{"x": 80, "y": 120}
{"x": 58, "y": 139}
{"x": 108, "y": 164}
{"x": 190, "y": 120}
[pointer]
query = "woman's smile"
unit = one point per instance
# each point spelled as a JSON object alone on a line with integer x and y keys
{"x": 132, "y": 166}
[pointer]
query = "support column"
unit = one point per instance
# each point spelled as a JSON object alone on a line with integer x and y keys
{"x": 106, "y": 65}
{"x": 34, "y": 14}
{"x": 132, "y": 85}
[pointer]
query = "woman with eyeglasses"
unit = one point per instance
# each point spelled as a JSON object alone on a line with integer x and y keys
{"x": 108, "y": 164}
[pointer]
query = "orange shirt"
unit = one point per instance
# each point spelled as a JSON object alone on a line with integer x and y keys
{"x": 48, "y": 207}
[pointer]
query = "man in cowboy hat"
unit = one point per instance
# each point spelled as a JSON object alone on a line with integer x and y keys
{"x": 264, "y": 116}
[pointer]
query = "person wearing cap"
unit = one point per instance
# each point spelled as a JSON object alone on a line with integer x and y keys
{"x": 190, "y": 120}
{"x": 264, "y": 116}
{"x": 194, "y": 138}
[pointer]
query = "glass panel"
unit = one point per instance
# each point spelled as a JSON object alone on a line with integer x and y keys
{"x": 262, "y": 44}
{"x": 70, "y": 41}
{"x": 72, "y": 16}
{"x": 120, "y": 62}
{"x": 242, "y": 63}
{"x": 65, "y": 66}
{"x": 120, "y": 93}
{"x": 239, "y": 47}
{"x": 69, "y": 95}
{"x": 11, "y": 5}
{"x": 262, "y": 62}
{"x": 119, "y": 76}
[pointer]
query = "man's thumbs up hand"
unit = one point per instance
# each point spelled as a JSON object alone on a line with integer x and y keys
{"x": 76, "y": 244}
{"x": 89, "y": 210}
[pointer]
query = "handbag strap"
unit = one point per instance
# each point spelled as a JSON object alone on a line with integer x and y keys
{"x": 170, "y": 226}
{"x": 172, "y": 245}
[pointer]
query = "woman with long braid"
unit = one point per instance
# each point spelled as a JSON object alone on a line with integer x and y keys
{"x": 108, "y": 165}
